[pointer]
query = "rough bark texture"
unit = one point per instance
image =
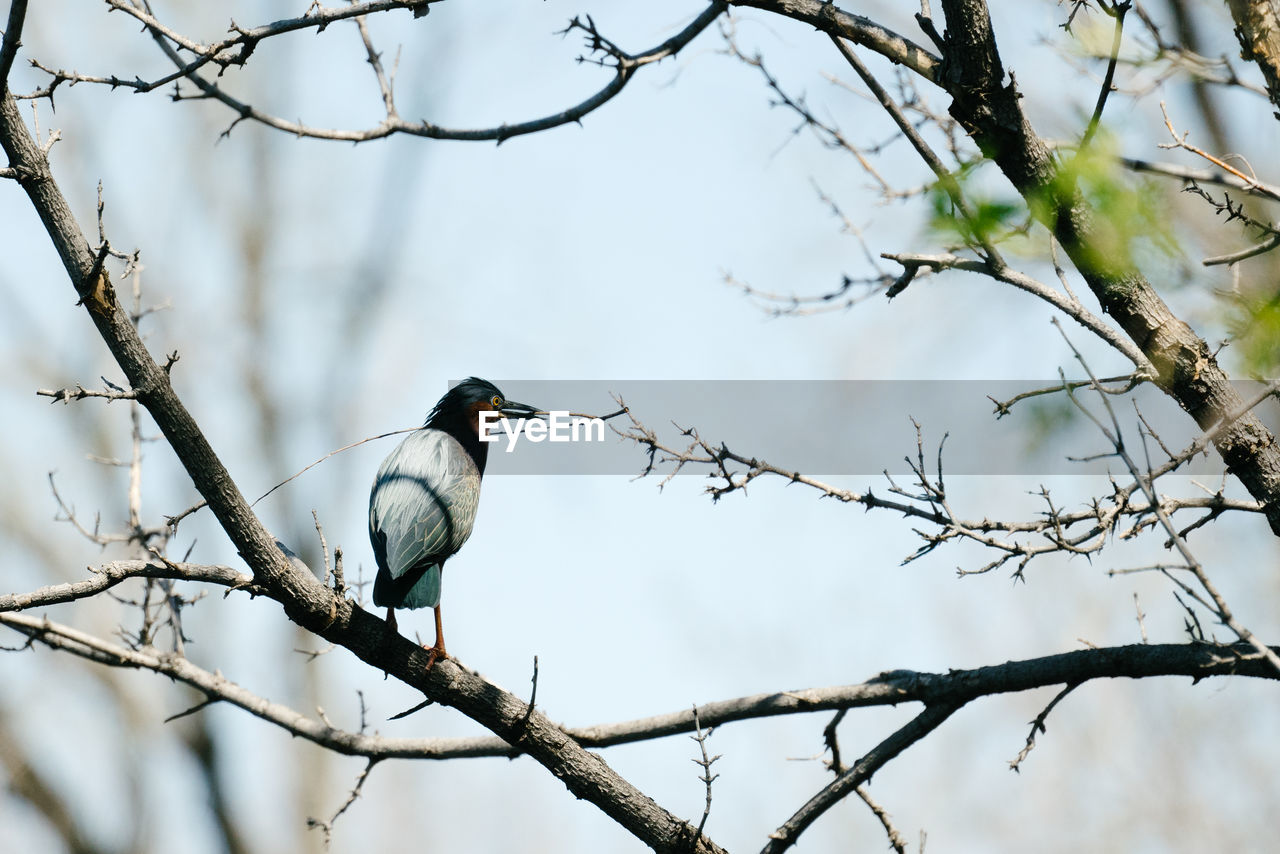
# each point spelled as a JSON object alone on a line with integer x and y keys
{"x": 972, "y": 73}
{"x": 1258, "y": 29}
{"x": 989, "y": 109}
{"x": 308, "y": 602}
{"x": 830, "y": 19}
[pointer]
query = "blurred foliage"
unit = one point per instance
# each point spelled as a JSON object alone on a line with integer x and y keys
{"x": 994, "y": 217}
{"x": 1136, "y": 210}
{"x": 1256, "y": 333}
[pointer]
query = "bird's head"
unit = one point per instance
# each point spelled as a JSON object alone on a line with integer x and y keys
{"x": 461, "y": 406}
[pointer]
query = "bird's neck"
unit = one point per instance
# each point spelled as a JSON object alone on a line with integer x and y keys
{"x": 465, "y": 427}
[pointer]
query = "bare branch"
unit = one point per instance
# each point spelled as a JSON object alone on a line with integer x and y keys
{"x": 1069, "y": 306}
{"x": 994, "y": 260}
{"x": 1180, "y": 141}
{"x": 237, "y": 49}
{"x": 1145, "y": 482}
{"x": 705, "y": 764}
{"x": 1202, "y": 176}
{"x": 919, "y": 727}
{"x": 1244, "y": 254}
{"x": 66, "y": 395}
{"x": 1082, "y": 532}
{"x": 326, "y": 827}
{"x": 624, "y": 67}
{"x": 12, "y": 40}
{"x": 836, "y": 22}
{"x": 1037, "y": 726}
{"x": 896, "y": 840}
{"x": 1004, "y": 407}
{"x": 306, "y": 601}
{"x": 384, "y": 82}
{"x": 1118, "y": 12}
{"x": 111, "y": 574}
{"x": 1198, "y": 661}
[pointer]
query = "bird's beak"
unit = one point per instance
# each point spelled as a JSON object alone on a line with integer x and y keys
{"x": 511, "y": 409}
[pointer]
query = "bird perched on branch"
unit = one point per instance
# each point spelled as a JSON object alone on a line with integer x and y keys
{"x": 424, "y": 499}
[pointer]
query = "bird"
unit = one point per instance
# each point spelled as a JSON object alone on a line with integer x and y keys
{"x": 424, "y": 499}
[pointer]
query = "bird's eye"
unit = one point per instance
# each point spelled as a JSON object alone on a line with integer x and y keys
{"x": 496, "y": 401}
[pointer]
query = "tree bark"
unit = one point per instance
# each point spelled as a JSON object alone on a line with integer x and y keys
{"x": 1258, "y": 29}
{"x": 308, "y": 602}
{"x": 990, "y": 110}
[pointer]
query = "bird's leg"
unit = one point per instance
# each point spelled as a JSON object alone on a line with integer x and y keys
{"x": 391, "y": 619}
{"x": 437, "y": 652}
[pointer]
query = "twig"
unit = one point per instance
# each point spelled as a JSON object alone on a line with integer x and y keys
{"x": 1118, "y": 12}
{"x": 1005, "y": 407}
{"x": 1180, "y": 141}
{"x": 624, "y": 66}
{"x": 1202, "y": 176}
{"x": 326, "y": 827}
{"x": 1037, "y": 726}
{"x": 111, "y": 574}
{"x": 705, "y": 764}
{"x": 375, "y": 60}
{"x": 994, "y": 260}
{"x": 533, "y": 700}
{"x": 175, "y": 519}
{"x": 1067, "y": 305}
{"x": 1146, "y": 484}
{"x": 915, "y": 730}
{"x": 1142, "y": 626}
{"x": 896, "y": 840}
{"x": 1244, "y": 254}
{"x": 66, "y": 395}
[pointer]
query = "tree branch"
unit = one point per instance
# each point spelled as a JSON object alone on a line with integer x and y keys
{"x": 919, "y": 727}
{"x": 221, "y": 52}
{"x": 12, "y": 40}
{"x": 1258, "y": 30}
{"x": 1069, "y": 306}
{"x": 111, "y": 574}
{"x": 1198, "y": 660}
{"x": 1186, "y": 369}
{"x": 1077, "y": 532}
{"x": 306, "y": 600}
{"x": 624, "y": 66}
{"x": 834, "y": 21}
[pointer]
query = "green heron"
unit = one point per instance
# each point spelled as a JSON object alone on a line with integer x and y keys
{"x": 424, "y": 499}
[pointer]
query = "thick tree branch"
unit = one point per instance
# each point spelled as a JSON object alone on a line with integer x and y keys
{"x": 12, "y": 40}
{"x": 990, "y": 110}
{"x": 834, "y": 21}
{"x": 1258, "y": 29}
{"x": 305, "y": 599}
{"x": 217, "y": 688}
{"x": 1198, "y": 661}
{"x": 916, "y": 729}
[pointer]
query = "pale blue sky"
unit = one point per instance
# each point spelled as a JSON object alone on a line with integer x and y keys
{"x": 592, "y": 252}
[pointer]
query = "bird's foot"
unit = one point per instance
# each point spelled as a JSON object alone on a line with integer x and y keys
{"x": 434, "y": 654}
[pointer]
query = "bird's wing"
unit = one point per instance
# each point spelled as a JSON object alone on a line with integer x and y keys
{"x": 423, "y": 503}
